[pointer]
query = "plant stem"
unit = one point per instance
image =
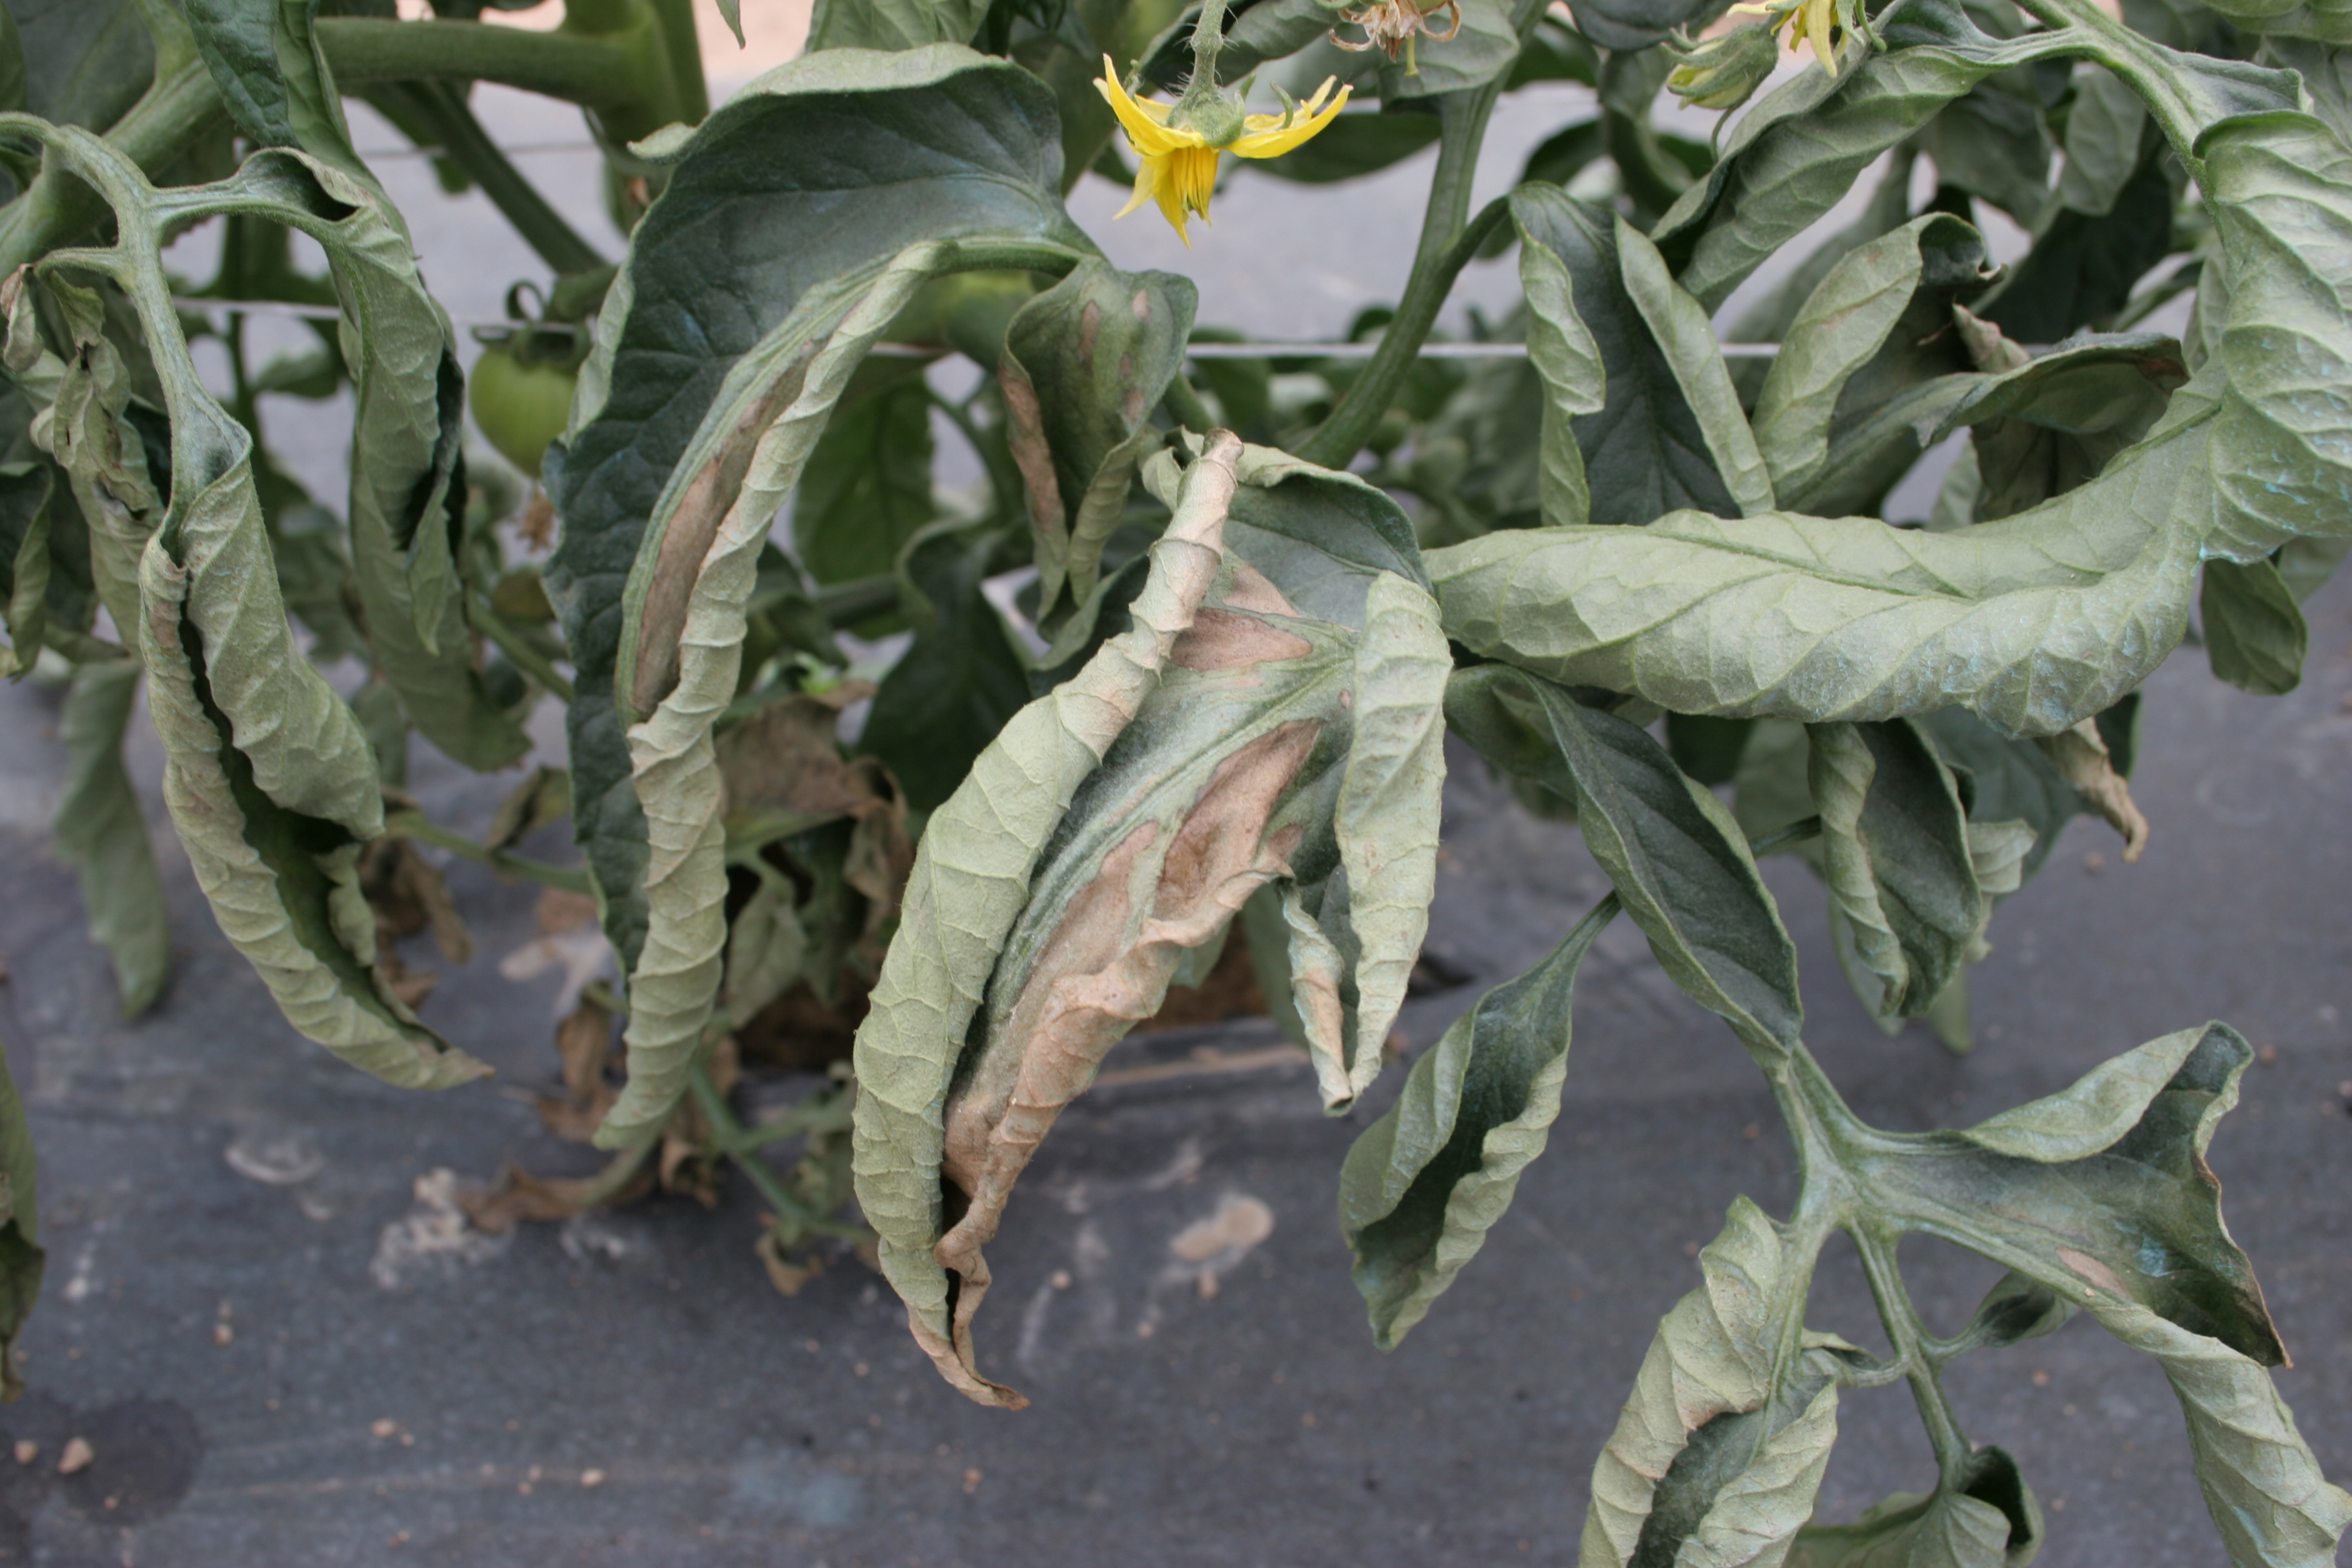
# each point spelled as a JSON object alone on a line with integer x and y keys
{"x": 182, "y": 107}
{"x": 594, "y": 72}
{"x": 1185, "y": 407}
{"x": 510, "y": 641}
{"x": 1446, "y": 246}
{"x": 676, "y": 20}
{"x": 418, "y": 825}
{"x": 1781, "y": 839}
{"x": 740, "y": 1146}
{"x": 438, "y": 110}
{"x": 1909, "y": 1336}
{"x": 846, "y": 604}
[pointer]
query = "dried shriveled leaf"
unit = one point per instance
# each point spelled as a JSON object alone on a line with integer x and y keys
{"x": 2080, "y": 756}
{"x": 680, "y": 654}
{"x": 1423, "y": 1184}
{"x": 778, "y": 217}
{"x": 101, "y": 829}
{"x": 1897, "y": 852}
{"x": 971, "y": 881}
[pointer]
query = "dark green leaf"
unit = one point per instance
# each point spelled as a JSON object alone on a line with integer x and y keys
{"x": 2255, "y": 631}
{"x": 868, "y": 486}
{"x": 86, "y": 61}
{"x": 784, "y": 205}
{"x": 1678, "y": 860}
{"x": 266, "y": 62}
{"x": 2082, "y": 269}
{"x": 963, "y": 676}
{"x": 1423, "y": 1184}
{"x": 1643, "y": 451}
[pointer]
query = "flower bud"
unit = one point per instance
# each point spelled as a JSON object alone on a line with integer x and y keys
{"x": 1723, "y": 71}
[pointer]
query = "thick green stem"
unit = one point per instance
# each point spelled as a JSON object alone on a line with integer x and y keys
{"x": 1448, "y": 241}
{"x": 181, "y": 108}
{"x": 594, "y": 72}
{"x": 693, "y": 93}
{"x": 1185, "y": 407}
{"x": 437, "y": 112}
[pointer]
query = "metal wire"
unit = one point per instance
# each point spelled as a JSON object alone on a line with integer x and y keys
{"x": 1250, "y": 350}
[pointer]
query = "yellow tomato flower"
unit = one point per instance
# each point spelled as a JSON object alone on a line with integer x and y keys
{"x": 1179, "y": 162}
{"x": 1819, "y": 23}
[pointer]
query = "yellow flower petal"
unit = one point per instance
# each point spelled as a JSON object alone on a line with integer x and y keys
{"x": 1146, "y": 179}
{"x": 1820, "y": 22}
{"x": 1274, "y": 121}
{"x": 1144, "y": 132}
{"x": 1274, "y": 143}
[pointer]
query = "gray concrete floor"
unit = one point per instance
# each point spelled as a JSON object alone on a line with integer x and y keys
{"x": 377, "y": 1403}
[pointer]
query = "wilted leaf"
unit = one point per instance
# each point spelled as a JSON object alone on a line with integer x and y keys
{"x": 1680, "y": 327}
{"x": 2100, "y": 1193}
{"x": 1386, "y": 815}
{"x": 1644, "y": 452}
{"x": 1423, "y": 1184}
{"x": 1085, "y": 363}
{"x": 972, "y": 879}
{"x": 1712, "y": 1357}
{"x": 104, "y": 833}
{"x": 268, "y": 776}
{"x": 2255, "y": 630}
{"x": 1991, "y": 1520}
{"x": 708, "y": 332}
{"x": 1896, "y": 852}
{"x": 1875, "y": 299}
{"x": 1678, "y": 860}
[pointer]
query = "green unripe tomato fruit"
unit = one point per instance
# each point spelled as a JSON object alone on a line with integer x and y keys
{"x": 519, "y": 407}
